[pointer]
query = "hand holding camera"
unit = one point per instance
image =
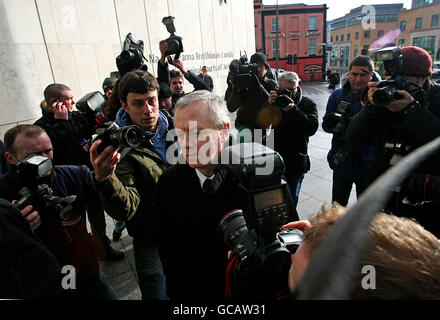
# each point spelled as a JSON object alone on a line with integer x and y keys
{"x": 282, "y": 100}
{"x": 395, "y": 105}
{"x": 104, "y": 163}
{"x": 31, "y": 216}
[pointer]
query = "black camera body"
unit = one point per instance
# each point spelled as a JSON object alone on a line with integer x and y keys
{"x": 118, "y": 137}
{"x": 91, "y": 106}
{"x": 339, "y": 119}
{"x": 33, "y": 173}
{"x": 132, "y": 56}
{"x": 175, "y": 45}
{"x": 283, "y": 97}
{"x": 393, "y": 63}
{"x": 242, "y": 73}
{"x": 254, "y": 233}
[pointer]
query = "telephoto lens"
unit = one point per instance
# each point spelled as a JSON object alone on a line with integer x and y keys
{"x": 130, "y": 136}
{"x": 232, "y": 228}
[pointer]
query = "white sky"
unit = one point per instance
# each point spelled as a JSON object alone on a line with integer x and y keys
{"x": 339, "y": 8}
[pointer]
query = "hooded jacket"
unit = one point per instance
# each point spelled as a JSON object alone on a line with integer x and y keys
{"x": 130, "y": 193}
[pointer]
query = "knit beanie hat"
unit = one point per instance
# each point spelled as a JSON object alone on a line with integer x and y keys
{"x": 259, "y": 58}
{"x": 417, "y": 62}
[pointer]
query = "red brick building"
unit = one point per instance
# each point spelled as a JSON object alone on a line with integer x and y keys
{"x": 302, "y": 31}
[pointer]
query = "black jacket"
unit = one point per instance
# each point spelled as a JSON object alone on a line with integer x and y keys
{"x": 413, "y": 128}
{"x": 27, "y": 269}
{"x": 67, "y": 137}
{"x": 417, "y": 125}
{"x": 249, "y": 102}
{"x": 194, "y": 256}
{"x": 293, "y": 132}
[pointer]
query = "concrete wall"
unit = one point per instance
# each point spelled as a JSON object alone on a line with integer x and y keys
{"x": 75, "y": 42}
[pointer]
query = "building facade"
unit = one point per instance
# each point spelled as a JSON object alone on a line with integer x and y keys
{"x": 295, "y": 29}
{"x": 421, "y": 27}
{"x": 361, "y": 31}
{"x": 76, "y": 43}
{"x": 354, "y": 34}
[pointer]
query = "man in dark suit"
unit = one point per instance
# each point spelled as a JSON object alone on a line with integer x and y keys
{"x": 193, "y": 255}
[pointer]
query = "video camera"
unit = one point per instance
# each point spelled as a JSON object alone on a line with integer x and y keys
{"x": 242, "y": 72}
{"x": 393, "y": 63}
{"x": 259, "y": 246}
{"x": 132, "y": 56}
{"x": 175, "y": 45}
{"x": 118, "y": 137}
{"x": 33, "y": 174}
{"x": 91, "y": 106}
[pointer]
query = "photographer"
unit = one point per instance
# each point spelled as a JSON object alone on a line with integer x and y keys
{"x": 193, "y": 199}
{"x": 250, "y": 99}
{"x": 409, "y": 120}
{"x": 65, "y": 235}
{"x": 68, "y": 129}
{"x": 127, "y": 185}
{"x": 349, "y": 164}
{"x": 299, "y": 121}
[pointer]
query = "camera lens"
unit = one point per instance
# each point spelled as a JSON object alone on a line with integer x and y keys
{"x": 384, "y": 96}
{"x": 232, "y": 228}
{"x": 131, "y": 136}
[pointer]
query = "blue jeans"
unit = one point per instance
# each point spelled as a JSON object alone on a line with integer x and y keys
{"x": 149, "y": 270}
{"x": 294, "y": 181}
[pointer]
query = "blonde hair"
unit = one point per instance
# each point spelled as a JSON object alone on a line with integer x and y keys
{"x": 406, "y": 257}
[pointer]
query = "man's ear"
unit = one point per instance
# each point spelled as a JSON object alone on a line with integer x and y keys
{"x": 124, "y": 105}
{"x": 224, "y": 132}
{"x": 11, "y": 158}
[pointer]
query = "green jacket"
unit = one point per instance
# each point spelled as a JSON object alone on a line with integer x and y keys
{"x": 130, "y": 193}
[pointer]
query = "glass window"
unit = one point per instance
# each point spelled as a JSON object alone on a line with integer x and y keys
{"x": 366, "y": 34}
{"x": 274, "y": 25}
{"x": 427, "y": 43}
{"x": 419, "y": 22}
{"x": 401, "y": 43}
{"x": 312, "y": 23}
{"x": 402, "y": 25}
{"x": 348, "y": 36}
{"x": 434, "y": 21}
{"x": 312, "y": 47}
{"x": 275, "y": 48}
{"x": 356, "y": 36}
{"x": 342, "y": 37}
{"x": 337, "y": 38}
{"x": 356, "y": 51}
{"x": 380, "y": 34}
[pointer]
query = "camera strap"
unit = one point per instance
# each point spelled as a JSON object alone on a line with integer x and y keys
{"x": 124, "y": 152}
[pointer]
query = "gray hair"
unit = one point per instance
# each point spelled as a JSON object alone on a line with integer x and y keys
{"x": 289, "y": 77}
{"x": 218, "y": 112}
